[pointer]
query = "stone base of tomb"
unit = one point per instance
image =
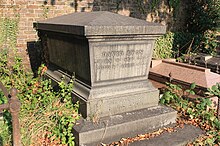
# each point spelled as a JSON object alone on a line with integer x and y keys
{"x": 111, "y": 112}
{"x": 107, "y": 100}
{"x": 129, "y": 124}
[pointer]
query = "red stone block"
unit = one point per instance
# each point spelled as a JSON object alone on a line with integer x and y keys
{"x": 183, "y": 74}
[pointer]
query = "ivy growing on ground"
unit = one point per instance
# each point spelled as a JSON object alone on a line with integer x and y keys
{"x": 46, "y": 116}
{"x": 196, "y": 111}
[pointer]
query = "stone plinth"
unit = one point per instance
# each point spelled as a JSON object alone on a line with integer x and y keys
{"x": 129, "y": 124}
{"x": 109, "y": 55}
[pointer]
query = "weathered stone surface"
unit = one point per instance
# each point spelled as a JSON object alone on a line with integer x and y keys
{"x": 121, "y": 60}
{"x": 110, "y": 66}
{"x": 103, "y": 58}
{"x": 178, "y": 138}
{"x": 110, "y": 56}
{"x": 113, "y": 98}
{"x": 129, "y": 124}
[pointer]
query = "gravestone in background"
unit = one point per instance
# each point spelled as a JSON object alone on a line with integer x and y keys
{"x": 110, "y": 56}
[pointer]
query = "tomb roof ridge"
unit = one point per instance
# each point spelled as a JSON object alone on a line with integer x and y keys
{"x": 107, "y": 18}
{"x": 98, "y": 18}
{"x": 98, "y": 23}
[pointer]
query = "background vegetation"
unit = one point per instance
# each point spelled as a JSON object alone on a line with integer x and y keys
{"x": 200, "y": 36}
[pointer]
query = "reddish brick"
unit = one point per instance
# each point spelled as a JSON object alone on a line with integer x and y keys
{"x": 30, "y": 15}
{"x": 37, "y": 11}
{"x": 22, "y": 36}
{"x": 32, "y": 6}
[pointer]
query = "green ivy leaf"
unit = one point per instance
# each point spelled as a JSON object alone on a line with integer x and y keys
{"x": 192, "y": 86}
{"x": 212, "y": 118}
{"x": 192, "y": 92}
{"x": 187, "y": 90}
{"x": 215, "y": 88}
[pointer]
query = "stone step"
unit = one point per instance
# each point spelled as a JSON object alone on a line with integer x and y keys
{"x": 178, "y": 138}
{"x": 129, "y": 124}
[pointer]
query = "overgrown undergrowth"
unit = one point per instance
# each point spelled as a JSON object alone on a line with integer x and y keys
{"x": 197, "y": 111}
{"x": 194, "y": 111}
{"x": 47, "y": 116}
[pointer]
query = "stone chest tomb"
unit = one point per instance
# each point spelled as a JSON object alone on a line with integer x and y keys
{"x": 110, "y": 57}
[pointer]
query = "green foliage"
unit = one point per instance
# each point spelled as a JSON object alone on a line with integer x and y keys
{"x": 209, "y": 42}
{"x": 175, "y": 4}
{"x": 67, "y": 118}
{"x": 174, "y": 93}
{"x": 203, "y": 15}
{"x": 171, "y": 94}
{"x": 44, "y": 112}
{"x": 200, "y": 35}
{"x": 6, "y": 127}
{"x": 215, "y": 90}
{"x": 177, "y": 44}
{"x": 191, "y": 89}
{"x": 8, "y": 32}
{"x": 154, "y": 4}
{"x": 198, "y": 109}
{"x": 46, "y": 10}
{"x": 182, "y": 43}
{"x": 163, "y": 46}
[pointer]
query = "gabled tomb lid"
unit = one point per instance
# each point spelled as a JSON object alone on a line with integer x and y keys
{"x": 99, "y": 23}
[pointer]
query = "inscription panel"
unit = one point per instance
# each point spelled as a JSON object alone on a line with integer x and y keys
{"x": 120, "y": 61}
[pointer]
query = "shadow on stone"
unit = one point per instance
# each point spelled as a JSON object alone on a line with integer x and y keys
{"x": 35, "y": 55}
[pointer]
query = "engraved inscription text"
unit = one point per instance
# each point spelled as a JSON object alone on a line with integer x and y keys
{"x": 121, "y": 61}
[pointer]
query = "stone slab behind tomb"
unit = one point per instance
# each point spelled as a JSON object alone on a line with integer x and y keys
{"x": 183, "y": 74}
